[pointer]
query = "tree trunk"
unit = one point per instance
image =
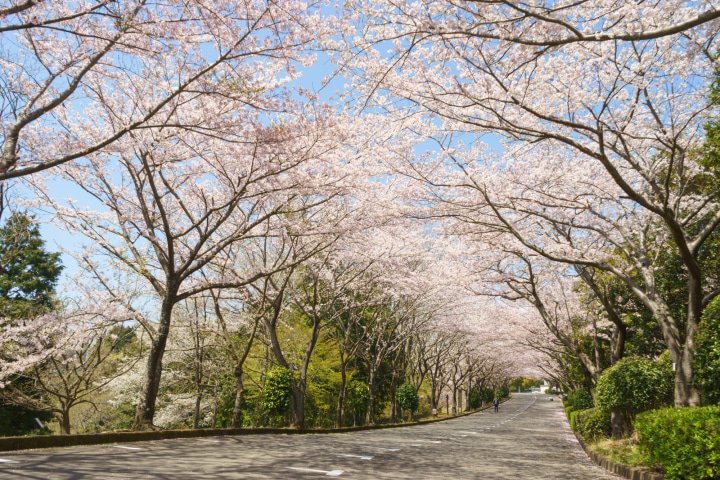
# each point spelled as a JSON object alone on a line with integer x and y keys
{"x": 196, "y": 412}
{"x": 618, "y": 343}
{"x": 370, "y": 415}
{"x": 239, "y": 394}
{"x": 685, "y": 395}
{"x": 617, "y": 423}
{"x": 65, "y": 421}
{"x": 145, "y": 412}
{"x": 299, "y": 404}
{"x": 340, "y": 414}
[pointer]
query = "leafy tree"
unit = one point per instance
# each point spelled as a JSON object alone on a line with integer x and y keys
{"x": 707, "y": 359}
{"x": 474, "y": 398}
{"x": 408, "y": 398}
{"x": 28, "y": 272}
{"x": 358, "y": 398}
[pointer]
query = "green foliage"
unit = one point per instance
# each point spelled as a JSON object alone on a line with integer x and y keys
{"x": 408, "y": 398}
{"x": 503, "y": 392}
{"x": 707, "y": 355}
{"x": 358, "y": 398}
{"x": 580, "y": 399}
{"x": 591, "y": 423}
{"x": 685, "y": 441}
{"x": 487, "y": 395}
{"x": 28, "y": 273}
{"x": 21, "y": 421}
{"x": 277, "y": 395}
{"x": 634, "y": 385}
{"x": 474, "y": 398}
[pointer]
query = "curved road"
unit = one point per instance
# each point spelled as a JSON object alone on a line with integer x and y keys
{"x": 528, "y": 439}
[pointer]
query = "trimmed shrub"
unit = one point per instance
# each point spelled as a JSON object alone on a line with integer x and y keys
{"x": 707, "y": 354}
{"x": 592, "y": 423}
{"x": 685, "y": 441}
{"x": 580, "y": 399}
{"x": 634, "y": 385}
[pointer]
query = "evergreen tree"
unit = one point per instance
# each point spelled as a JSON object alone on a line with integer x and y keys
{"x": 28, "y": 272}
{"x": 28, "y": 276}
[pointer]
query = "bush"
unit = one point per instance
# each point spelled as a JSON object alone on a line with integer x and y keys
{"x": 408, "y": 398}
{"x": 277, "y": 394}
{"x": 358, "y": 398}
{"x": 580, "y": 400}
{"x": 634, "y": 385}
{"x": 474, "y": 398}
{"x": 685, "y": 441}
{"x": 707, "y": 354}
{"x": 591, "y": 423}
{"x": 487, "y": 395}
{"x": 504, "y": 392}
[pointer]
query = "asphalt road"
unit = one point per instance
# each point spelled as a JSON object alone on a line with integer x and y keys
{"x": 528, "y": 439}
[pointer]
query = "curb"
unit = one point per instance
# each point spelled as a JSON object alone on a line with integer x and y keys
{"x": 631, "y": 473}
{"x": 50, "y": 441}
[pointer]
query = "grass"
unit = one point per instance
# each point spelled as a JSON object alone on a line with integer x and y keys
{"x": 624, "y": 451}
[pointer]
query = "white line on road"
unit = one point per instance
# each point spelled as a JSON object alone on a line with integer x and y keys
{"x": 467, "y": 432}
{"x": 327, "y": 473}
{"x": 2, "y": 460}
{"x": 126, "y": 448}
{"x": 351, "y": 455}
{"x": 382, "y": 448}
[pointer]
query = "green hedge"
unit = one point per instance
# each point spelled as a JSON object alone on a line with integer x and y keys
{"x": 591, "y": 423}
{"x": 580, "y": 399}
{"x": 685, "y": 441}
{"x": 707, "y": 354}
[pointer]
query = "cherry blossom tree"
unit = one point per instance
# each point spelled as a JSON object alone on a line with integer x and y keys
{"x": 70, "y": 365}
{"x": 78, "y": 76}
{"x": 173, "y": 202}
{"x": 621, "y": 87}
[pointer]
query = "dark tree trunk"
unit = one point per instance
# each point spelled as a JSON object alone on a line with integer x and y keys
{"x": 65, "y": 421}
{"x": 618, "y": 343}
{"x": 299, "y": 404}
{"x": 145, "y": 412}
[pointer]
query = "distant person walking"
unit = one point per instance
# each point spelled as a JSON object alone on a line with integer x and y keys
{"x": 496, "y": 402}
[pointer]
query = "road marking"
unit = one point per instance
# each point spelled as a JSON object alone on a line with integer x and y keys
{"x": 2, "y": 460}
{"x": 327, "y": 473}
{"x": 382, "y": 448}
{"x": 467, "y": 432}
{"x": 208, "y": 440}
{"x": 126, "y": 448}
{"x": 351, "y": 455}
